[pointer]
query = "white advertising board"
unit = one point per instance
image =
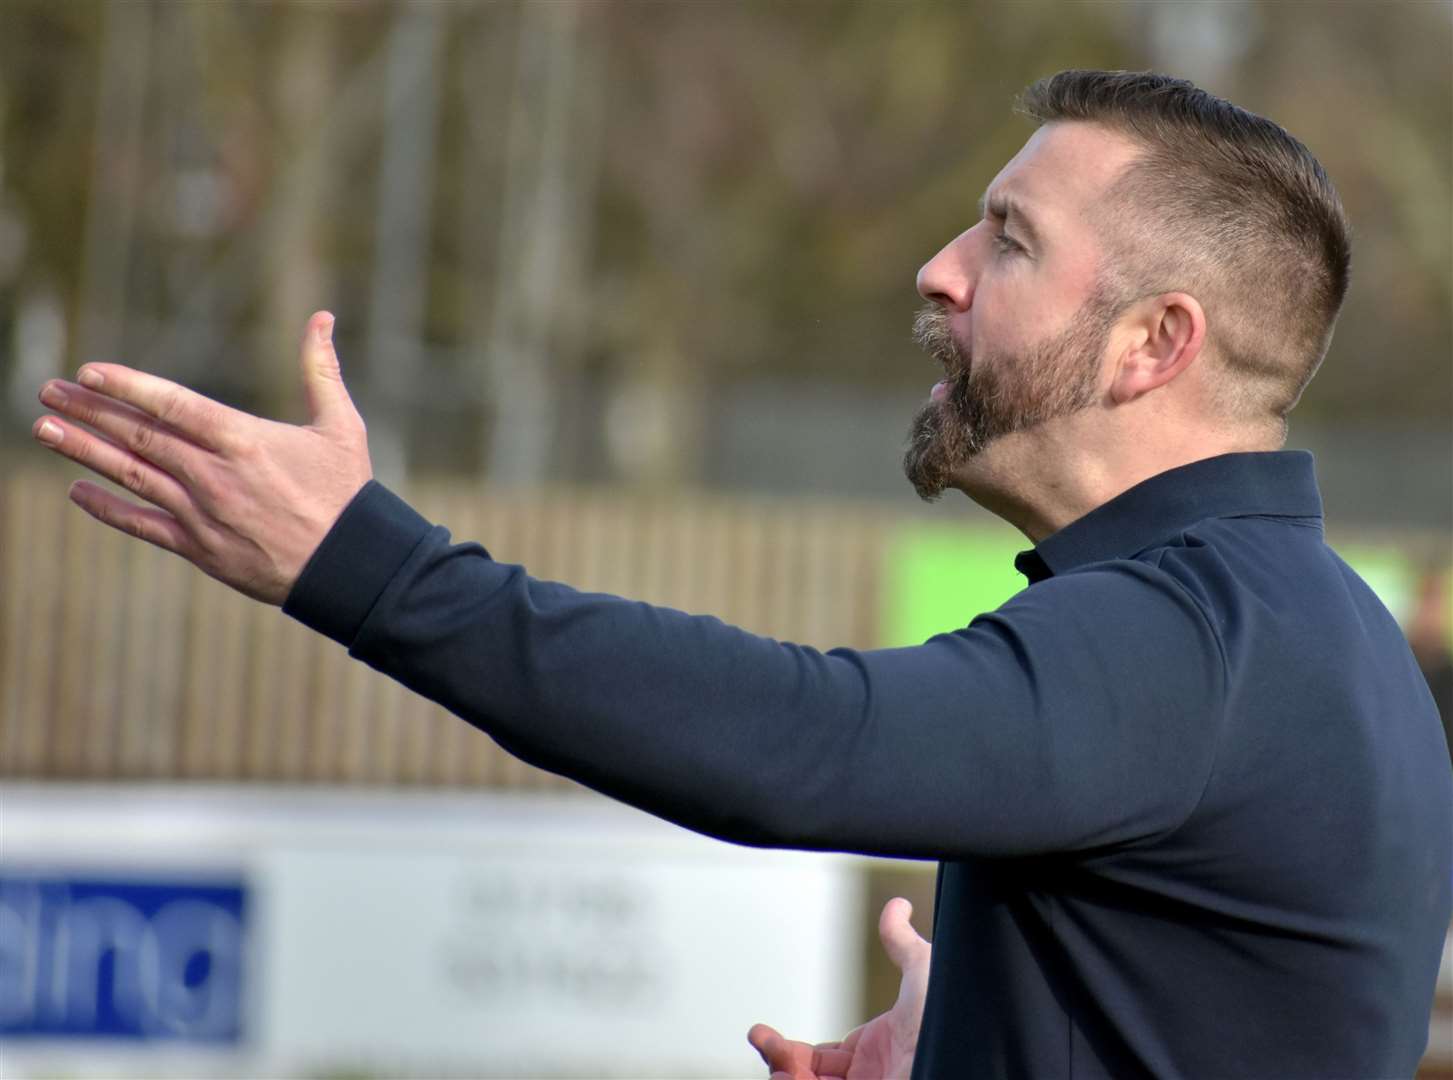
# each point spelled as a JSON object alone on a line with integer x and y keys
{"x": 263, "y": 932}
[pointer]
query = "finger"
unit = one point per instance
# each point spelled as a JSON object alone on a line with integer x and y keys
{"x": 828, "y": 1060}
{"x": 760, "y": 1036}
{"x": 154, "y": 526}
{"x": 124, "y": 426}
{"x": 328, "y": 400}
{"x": 198, "y": 419}
{"x": 116, "y": 464}
{"x": 780, "y": 1053}
{"x": 901, "y": 942}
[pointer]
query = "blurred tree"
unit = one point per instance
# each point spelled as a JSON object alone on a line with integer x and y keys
{"x": 295, "y": 279}
{"x": 633, "y": 206}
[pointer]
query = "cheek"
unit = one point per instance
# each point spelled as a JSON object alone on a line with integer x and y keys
{"x": 1004, "y": 317}
{"x": 1020, "y": 309}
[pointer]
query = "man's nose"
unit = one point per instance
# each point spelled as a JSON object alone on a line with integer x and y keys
{"x": 948, "y": 277}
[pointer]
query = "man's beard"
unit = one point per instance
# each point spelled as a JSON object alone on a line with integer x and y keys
{"x": 997, "y": 394}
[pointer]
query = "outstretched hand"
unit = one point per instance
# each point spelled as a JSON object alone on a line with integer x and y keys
{"x": 882, "y": 1049}
{"x": 245, "y": 499}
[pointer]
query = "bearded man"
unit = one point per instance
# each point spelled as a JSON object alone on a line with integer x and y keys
{"x": 1187, "y": 790}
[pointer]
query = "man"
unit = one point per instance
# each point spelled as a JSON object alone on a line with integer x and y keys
{"x": 1187, "y": 790}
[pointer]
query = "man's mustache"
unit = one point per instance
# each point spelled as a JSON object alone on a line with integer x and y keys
{"x": 932, "y": 334}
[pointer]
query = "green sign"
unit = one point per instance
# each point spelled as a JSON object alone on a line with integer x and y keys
{"x": 939, "y": 577}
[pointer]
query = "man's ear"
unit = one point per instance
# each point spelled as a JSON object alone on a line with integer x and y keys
{"x": 1168, "y": 332}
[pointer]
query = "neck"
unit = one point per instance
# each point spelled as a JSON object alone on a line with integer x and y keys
{"x": 1043, "y": 479}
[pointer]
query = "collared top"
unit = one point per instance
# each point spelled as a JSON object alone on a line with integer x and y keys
{"x": 1187, "y": 789}
{"x": 1281, "y": 485}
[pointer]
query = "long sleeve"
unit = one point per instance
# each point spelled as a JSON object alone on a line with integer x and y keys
{"x": 1081, "y": 714}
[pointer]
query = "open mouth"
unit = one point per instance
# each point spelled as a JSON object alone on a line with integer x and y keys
{"x": 952, "y": 374}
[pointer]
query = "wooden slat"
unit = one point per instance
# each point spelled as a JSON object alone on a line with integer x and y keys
{"x": 354, "y": 738}
{"x": 14, "y": 638}
{"x": 72, "y": 717}
{"x": 29, "y": 595}
{"x": 219, "y": 658}
{"x": 203, "y": 683}
{"x": 103, "y": 660}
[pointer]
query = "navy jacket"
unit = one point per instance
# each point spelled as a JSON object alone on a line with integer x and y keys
{"x": 1188, "y": 789}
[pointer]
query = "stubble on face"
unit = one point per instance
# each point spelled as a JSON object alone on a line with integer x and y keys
{"x": 994, "y": 394}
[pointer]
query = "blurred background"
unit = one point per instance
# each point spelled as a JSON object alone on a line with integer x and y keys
{"x": 623, "y": 290}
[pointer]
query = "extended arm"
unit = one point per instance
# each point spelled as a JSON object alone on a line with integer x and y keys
{"x": 1043, "y": 726}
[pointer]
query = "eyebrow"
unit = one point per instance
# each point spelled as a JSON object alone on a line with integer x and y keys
{"x": 1008, "y": 210}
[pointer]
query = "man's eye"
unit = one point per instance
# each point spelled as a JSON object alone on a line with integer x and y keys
{"x": 1005, "y": 242}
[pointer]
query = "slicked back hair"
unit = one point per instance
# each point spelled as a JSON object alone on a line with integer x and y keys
{"x": 1227, "y": 206}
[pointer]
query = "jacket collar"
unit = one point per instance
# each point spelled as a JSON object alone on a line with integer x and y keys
{"x": 1282, "y": 483}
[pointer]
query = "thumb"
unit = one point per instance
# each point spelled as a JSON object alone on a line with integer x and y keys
{"x": 328, "y": 400}
{"x": 901, "y": 942}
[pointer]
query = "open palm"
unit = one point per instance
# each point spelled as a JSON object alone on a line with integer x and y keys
{"x": 882, "y": 1049}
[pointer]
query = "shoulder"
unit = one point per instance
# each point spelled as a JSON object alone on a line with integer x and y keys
{"x": 1130, "y": 616}
{"x": 1135, "y": 589}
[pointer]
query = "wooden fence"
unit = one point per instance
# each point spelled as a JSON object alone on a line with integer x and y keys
{"x": 119, "y": 661}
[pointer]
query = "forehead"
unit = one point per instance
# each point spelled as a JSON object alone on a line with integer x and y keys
{"x": 1064, "y": 168}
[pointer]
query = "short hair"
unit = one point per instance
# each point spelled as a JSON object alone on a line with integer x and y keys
{"x": 1227, "y": 206}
